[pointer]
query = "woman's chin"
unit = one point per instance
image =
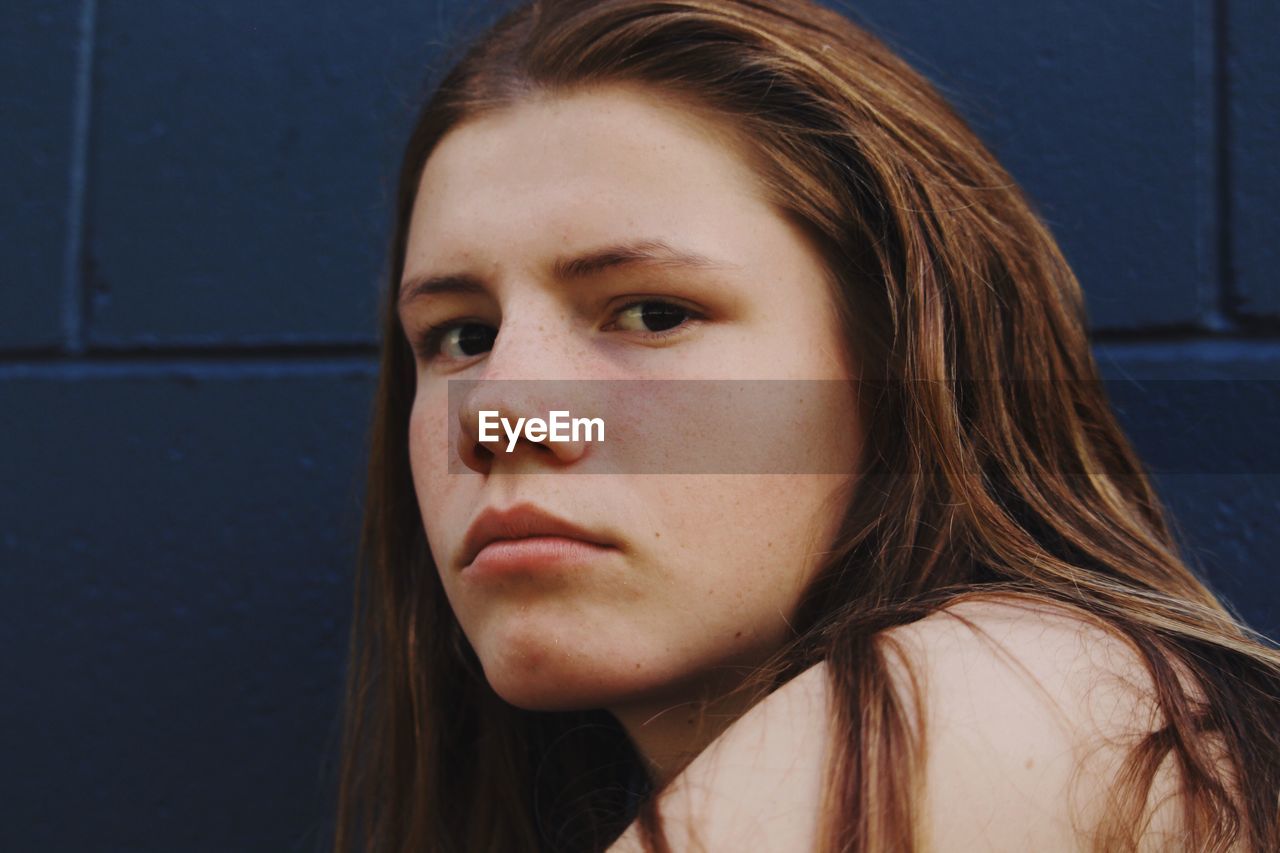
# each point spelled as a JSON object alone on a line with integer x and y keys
{"x": 551, "y": 689}
{"x": 551, "y": 678}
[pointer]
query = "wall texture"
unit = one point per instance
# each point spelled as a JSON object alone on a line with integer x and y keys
{"x": 196, "y": 210}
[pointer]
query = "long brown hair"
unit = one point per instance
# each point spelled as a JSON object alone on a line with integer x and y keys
{"x": 995, "y": 462}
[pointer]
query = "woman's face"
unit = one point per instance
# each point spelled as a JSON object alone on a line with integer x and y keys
{"x": 700, "y": 572}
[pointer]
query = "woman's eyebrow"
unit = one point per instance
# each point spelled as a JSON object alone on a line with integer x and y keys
{"x": 638, "y": 253}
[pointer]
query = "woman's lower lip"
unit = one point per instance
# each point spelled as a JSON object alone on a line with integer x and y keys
{"x": 533, "y": 554}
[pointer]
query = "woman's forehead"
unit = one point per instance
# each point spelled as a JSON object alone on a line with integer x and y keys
{"x": 611, "y": 162}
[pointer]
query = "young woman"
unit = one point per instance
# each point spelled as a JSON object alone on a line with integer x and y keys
{"x": 972, "y": 631}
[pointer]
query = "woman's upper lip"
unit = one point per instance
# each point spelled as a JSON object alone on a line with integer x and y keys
{"x": 519, "y": 522}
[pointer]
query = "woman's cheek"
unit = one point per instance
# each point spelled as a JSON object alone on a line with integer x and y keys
{"x": 439, "y": 493}
{"x": 742, "y": 542}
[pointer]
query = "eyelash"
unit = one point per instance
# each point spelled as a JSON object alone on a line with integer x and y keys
{"x": 426, "y": 342}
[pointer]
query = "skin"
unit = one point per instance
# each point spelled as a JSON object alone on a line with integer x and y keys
{"x": 707, "y": 567}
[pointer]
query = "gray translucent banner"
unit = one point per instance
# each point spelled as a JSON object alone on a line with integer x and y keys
{"x": 758, "y": 426}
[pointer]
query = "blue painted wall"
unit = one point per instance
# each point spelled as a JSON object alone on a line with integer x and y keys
{"x": 197, "y": 205}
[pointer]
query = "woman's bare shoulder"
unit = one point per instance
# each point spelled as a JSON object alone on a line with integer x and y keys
{"x": 758, "y": 786}
{"x": 1029, "y": 710}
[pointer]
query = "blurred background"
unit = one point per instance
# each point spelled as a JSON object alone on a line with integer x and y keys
{"x": 196, "y": 205}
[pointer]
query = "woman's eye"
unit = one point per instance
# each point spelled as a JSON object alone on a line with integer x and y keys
{"x": 652, "y": 316}
{"x": 456, "y": 340}
{"x": 467, "y": 339}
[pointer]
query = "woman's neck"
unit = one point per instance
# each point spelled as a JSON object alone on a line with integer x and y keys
{"x": 669, "y": 732}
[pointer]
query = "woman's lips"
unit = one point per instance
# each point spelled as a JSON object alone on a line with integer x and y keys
{"x": 534, "y": 554}
{"x": 546, "y": 538}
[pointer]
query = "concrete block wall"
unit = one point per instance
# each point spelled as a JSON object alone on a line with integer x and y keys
{"x": 198, "y": 201}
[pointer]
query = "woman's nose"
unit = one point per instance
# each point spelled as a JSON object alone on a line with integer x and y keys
{"x": 536, "y": 367}
{"x": 539, "y": 338}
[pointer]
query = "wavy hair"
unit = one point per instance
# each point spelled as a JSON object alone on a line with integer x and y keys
{"x": 995, "y": 463}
